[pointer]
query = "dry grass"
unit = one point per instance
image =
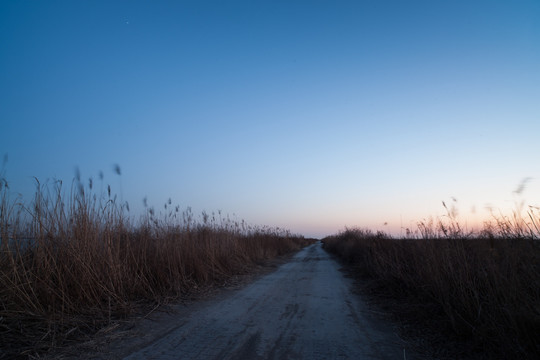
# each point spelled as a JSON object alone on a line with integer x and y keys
{"x": 70, "y": 264}
{"x": 485, "y": 285}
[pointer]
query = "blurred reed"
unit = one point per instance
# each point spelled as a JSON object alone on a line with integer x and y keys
{"x": 72, "y": 261}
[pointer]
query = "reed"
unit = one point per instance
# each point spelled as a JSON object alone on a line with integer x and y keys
{"x": 484, "y": 284}
{"x": 72, "y": 262}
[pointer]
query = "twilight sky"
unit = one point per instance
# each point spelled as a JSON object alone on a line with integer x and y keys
{"x": 308, "y": 115}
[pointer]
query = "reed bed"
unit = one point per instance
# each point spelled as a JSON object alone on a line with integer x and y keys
{"x": 485, "y": 286}
{"x": 72, "y": 263}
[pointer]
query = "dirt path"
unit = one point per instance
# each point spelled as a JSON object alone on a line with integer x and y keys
{"x": 303, "y": 310}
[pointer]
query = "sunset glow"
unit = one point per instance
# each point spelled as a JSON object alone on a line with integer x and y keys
{"x": 308, "y": 115}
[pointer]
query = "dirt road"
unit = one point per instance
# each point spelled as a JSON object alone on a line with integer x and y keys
{"x": 303, "y": 310}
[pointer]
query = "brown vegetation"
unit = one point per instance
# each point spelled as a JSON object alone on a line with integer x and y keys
{"x": 485, "y": 286}
{"x": 71, "y": 264}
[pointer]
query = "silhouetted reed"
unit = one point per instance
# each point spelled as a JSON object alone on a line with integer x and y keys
{"x": 486, "y": 284}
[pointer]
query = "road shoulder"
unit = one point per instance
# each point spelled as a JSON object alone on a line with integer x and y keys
{"x": 427, "y": 336}
{"x": 153, "y": 321}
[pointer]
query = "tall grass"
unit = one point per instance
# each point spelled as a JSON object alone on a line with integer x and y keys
{"x": 486, "y": 284}
{"x": 71, "y": 263}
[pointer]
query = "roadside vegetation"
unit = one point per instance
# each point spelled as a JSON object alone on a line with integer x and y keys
{"x": 72, "y": 262}
{"x": 481, "y": 287}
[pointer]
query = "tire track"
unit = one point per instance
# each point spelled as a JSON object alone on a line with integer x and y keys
{"x": 303, "y": 310}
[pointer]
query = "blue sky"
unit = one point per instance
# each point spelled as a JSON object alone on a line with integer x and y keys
{"x": 308, "y": 115}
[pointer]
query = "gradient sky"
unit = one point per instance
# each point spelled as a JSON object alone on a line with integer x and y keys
{"x": 308, "y": 115}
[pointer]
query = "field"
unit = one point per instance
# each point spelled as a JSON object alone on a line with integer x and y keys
{"x": 482, "y": 288}
{"x": 74, "y": 261}
{"x": 71, "y": 263}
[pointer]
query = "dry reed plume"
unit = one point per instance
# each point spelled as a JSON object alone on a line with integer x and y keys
{"x": 484, "y": 285}
{"x": 72, "y": 263}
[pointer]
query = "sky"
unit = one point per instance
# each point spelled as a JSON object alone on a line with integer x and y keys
{"x": 307, "y": 115}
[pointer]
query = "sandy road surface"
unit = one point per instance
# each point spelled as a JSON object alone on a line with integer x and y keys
{"x": 303, "y": 310}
